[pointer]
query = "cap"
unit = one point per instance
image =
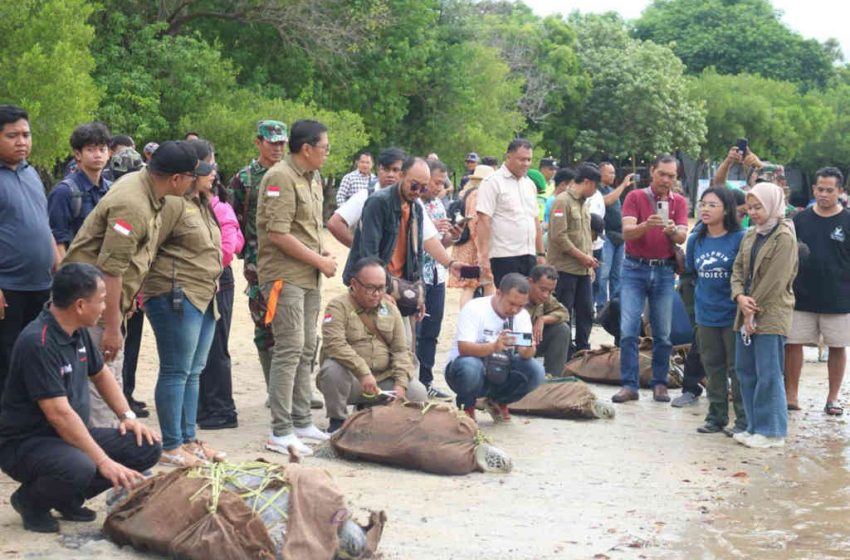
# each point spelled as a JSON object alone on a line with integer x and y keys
{"x": 481, "y": 172}
{"x": 175, "y": 157}
{"x": 150, "y": 148}
{"x": 548, "y": 162}
{"x": 769, "y": 172}
{"x": 472, "y": 156}
{"x": 125, "y": 161}
{"x": 273, "y": 131}
{"x": 538, "y": 179}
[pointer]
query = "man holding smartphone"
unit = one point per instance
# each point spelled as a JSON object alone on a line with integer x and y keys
{"x": 655, "y": 219}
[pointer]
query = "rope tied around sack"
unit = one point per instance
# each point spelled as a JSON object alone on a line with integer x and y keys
{"x": 217, "y": 475}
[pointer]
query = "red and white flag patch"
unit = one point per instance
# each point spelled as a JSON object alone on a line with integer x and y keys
{"x": 328, "y": 318}
{"x": 273, "y": 191}
{"x": 122, "y": 227}
{"x": 558, "y": 213}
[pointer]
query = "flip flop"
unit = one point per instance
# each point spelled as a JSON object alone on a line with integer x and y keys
{"x": 833, "y": 408}
{"x": 793, "y": 407}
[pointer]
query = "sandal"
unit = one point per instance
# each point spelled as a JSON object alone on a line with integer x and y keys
{"x": 203, "y": 451}
{"x": 179, "y": 457}
{"x": 833, "y": 408}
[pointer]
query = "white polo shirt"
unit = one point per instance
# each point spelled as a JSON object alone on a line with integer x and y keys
{"x": 478, "y": 322}
{"x": 511, "y": 203}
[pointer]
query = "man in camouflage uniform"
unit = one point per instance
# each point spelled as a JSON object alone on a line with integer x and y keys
{"x": 243, "y": 189}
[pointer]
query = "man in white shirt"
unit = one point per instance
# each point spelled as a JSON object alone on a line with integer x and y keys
{"x": 596, "y": 205}
{"x": 492, "y": 355}
{"x": 356, "y": 181}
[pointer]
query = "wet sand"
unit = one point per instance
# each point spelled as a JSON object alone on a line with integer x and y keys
{"x": 644, "y": 485}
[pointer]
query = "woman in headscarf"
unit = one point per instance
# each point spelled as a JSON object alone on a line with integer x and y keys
{"x": 762, "y": 279}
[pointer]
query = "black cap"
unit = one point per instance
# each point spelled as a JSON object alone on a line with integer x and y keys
{"x": 174, "y": 157}
{"x": 548, "y": 162}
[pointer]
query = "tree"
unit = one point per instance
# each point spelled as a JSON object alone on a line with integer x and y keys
{"x": 44, "y": 54}
{"x": 736, "y": 36}
{"x": 831, "y": 146}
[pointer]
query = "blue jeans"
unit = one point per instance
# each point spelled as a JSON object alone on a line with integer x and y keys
{"x": 609, "y": 272}
{"x": 182, "y": 342}
{"x": 465, "y": 376}
{"x": 428, "y": 329}
{"x": 638, "y": 282}
{"x": 760, "y": 368}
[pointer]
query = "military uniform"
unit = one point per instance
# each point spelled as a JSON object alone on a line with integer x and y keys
{"x": 556, "y": 336}
{"x": 119, "y": 237}
{"x": 243, "y": 192}
{"x": 350, "y": 352}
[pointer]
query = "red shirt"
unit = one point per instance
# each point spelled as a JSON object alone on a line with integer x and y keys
{"x": 654, "y": 244}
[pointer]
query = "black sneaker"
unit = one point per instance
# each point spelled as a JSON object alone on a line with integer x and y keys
{"x": 140, "y": 411}
{"x": 709, "y": 428}
{"x": 80, "y": 513}
{"x": 218, "y": 423}
{"x": 134, "y": 402}
{"x": 434, "y": 393}
{"x": 730, "y": 432}
{"x": 335, "y": 424}
{"x": 34, "y": 520}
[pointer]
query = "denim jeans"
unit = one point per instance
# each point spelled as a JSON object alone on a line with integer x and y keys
{"x": 428, "y": 329}
{"x": 465, "y": 376}
{"x": 638, "y": 282}
{"x": 609, "y": 272}
{"x": 182, "y": 341}
{"x": 760, "y": 368}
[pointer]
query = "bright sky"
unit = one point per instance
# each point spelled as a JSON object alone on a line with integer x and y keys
{"x": 815, "y": 19}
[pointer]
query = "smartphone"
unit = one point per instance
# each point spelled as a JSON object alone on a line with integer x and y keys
{"x": 519, "y": 339}
{"x": 470, "y": 272}
{"x": 743, "y": 144}
{"x": 459, "y": 219}
{"x": 662, "y": 208}
{"x": 637, "y": 178}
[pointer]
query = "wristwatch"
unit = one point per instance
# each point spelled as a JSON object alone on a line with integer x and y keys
{"x": 129, "y": 415}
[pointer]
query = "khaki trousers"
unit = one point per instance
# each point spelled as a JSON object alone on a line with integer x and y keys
{"x": 101, "y": 415}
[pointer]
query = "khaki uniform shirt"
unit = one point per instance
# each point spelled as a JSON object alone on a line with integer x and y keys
{"x": 511, "y": 203}
{"x": 346, "y": 340}
{"x": 119, "y": 236}
{"x": 549, "y": 307}
{"x": 569, "y": 226}
{"x": 290, "y": 201}
{"x": 188, "y": 251}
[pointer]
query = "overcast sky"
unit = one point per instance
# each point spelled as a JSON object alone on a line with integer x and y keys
{"x": 815, "y": 19}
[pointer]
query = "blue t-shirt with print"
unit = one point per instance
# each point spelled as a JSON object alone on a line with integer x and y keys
{"x": 711, "y": 259}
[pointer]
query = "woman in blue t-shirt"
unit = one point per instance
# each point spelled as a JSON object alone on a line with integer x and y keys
{"x": 711, "y": 251}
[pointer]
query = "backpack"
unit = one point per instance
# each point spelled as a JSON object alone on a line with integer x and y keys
{"x": 456, "y": 211}
{"x": 76, "y": 195}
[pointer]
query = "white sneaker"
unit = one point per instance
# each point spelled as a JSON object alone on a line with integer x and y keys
{"x": 312, "y": 433}
{"x": 742, "y": 437}
{"x": 759, "y": 441}
{"x": 280, "y": 444}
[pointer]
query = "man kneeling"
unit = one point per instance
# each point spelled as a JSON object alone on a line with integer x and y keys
{"x": 365, "y": 352}
{"x": 44, "y": 442}
{"x": 493, "y": 352}
{"x": 549, "y": 319}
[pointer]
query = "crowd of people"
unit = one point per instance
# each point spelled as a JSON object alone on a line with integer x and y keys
{"x": 538, "y": 254}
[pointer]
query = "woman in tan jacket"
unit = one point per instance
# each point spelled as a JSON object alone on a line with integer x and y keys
{"x": 762, "y": 279}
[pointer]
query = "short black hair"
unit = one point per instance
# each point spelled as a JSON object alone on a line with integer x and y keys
{"x": 410, "y": 162}
{"x": 364, "y": 262}
{"x": 543, "y": 271}
{"x": 587, "y": 170}
{"x": 391, "y": 155}
{"x": 830, "y": 172}
{"x": 12, "y": 113}
{"x": 614, "y": 167}
{"x": 121, "y": 140}
{"x": 190, "y": 133}
{"x": 90, "y": 134}
{"x": 514, "y": 281}
{"x": 437, "y": 165}
{"x": 518, "y": 143}
{"x": 490, "y": 160}
{"x": 72, "y": 282}
{"x": 564, "y": 175}
{"x": 303, "y": 132}
{"x": 363, "y": 153}
{"x": 664, "y": 158}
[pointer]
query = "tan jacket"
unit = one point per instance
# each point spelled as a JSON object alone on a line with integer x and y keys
{"x": 773, "y": 278}
{"x": 119, "y": 236}
{"x": 549, "y": 307}
{"x": 569, "y": 227}
{"x": 346, "y": 340}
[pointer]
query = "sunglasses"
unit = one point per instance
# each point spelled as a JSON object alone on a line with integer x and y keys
{"x": 416, "y": 186}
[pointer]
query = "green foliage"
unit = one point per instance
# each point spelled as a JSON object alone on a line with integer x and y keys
{"x": 232, "y": 124}
{"x": 44, "y": 54}
{"x": 831, "y": 143}
{"x": 736, "y": 36}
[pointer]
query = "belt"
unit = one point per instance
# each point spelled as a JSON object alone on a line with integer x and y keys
{"x": 652, "y": 262}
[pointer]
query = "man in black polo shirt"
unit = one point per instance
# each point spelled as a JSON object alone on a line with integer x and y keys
{"x": 44, "y": 442}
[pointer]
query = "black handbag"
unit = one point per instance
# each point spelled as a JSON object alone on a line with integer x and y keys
{"x": 497, "y": 366}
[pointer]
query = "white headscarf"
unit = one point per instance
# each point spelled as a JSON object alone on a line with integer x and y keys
{"x": 773, "y": 200}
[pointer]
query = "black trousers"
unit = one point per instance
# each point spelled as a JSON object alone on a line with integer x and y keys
{"x": 215, "y": 394}
{"x": 505, "y": 265}
{"x": 21, "y": 309}
{"x": 56, "y": 475}
{"x": 693, "y": 370}
{"x": 132, "y": 344}
{"x": 575, "y": 292}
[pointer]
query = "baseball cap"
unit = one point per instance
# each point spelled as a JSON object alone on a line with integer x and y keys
{"x": 273, "y": 131}
{"x": 175, "y": 157}
{"x": 769, "y": 172}
{"x": 472, "y": 156}
{"x": 125, "y": 161}
{"x": 538, "y": 179}
{"x": 548, "y": 162}
{"x": 150, "y": 148}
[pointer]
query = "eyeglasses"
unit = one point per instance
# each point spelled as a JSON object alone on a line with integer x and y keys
{"x": 326, "y": 148}
{"x": 372, "y": 289}
{"x": 189, "y": 175}
{"x": 416, "y": 186}
{"x": 710, "y": 205}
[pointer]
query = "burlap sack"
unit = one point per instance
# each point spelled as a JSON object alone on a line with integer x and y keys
{"x": 426, "y": 437}
{"x": 603, "y": 365}
{"x": 559, "y": 398}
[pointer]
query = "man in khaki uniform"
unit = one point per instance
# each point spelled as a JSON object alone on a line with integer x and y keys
{"x": 571, "y": 251}
{"x": 290, "y": 265}
{"x": 365, "y": 349}
{"x": 119, "y": 237}
{"x": 549, "y": 319}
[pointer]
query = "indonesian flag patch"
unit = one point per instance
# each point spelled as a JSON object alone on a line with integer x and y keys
{"x": 328, "y": 318}
{"x": 273, "y": 191}
{"x": 558, "y": 213}
{"x": 122, "y": 227}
